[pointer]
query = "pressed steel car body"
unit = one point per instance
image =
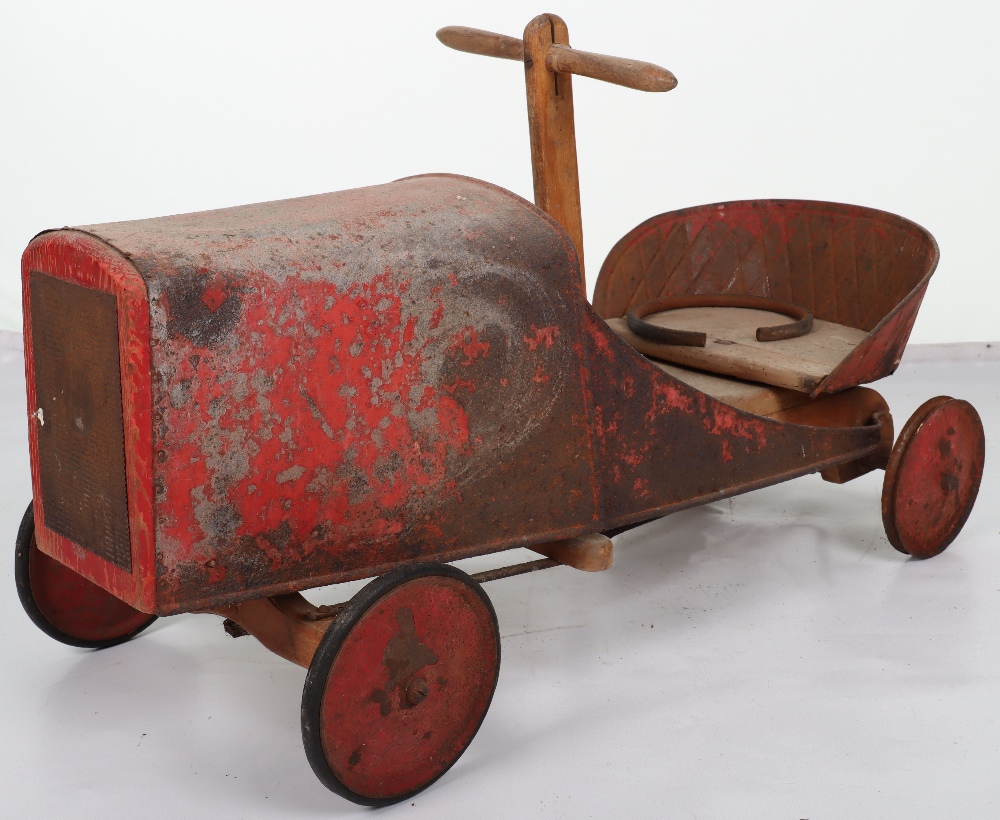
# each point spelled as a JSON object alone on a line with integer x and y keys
{"x": 232, "y": 406}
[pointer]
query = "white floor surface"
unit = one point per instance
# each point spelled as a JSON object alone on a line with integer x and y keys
{"x": 766, "y": 657}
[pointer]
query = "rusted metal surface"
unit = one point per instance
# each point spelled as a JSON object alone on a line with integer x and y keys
{"x": 288, "y": 625}
{"x": 933, "y": 476}
{"x": 881, "y": 351}
{"x": 855, "y": 266}
{"x": 400, "y": 684}
{"x": 343, "y": 383}
{"x": 81, "y": 439}
{"x": 500, "y": 573}
{"x": 348, "y": 381}
{"x": 646, "y": 426}
{"x": 802, "y": 325}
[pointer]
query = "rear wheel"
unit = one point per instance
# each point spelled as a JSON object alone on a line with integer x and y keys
{"x": 64, "y": 604}
{"x": 400, "y": 683}
{"x": 933, "y": 477}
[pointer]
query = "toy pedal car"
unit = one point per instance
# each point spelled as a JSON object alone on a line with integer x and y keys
{"x": 233, "y": 406}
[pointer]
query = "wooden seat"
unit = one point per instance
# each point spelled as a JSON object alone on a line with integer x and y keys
{"x": 863, "y": 269}
{"x": 754, "y": 397}
{"x": 732, "y": 348}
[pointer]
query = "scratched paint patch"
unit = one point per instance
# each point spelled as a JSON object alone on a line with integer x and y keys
{"x": 317, "y": 412}
{"x": 351, "y": 420}
{"x": 668, "y": 445}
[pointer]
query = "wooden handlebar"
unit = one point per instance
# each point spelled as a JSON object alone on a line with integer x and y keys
{"x": 618, "y": 70}
{"x": 486, "y": 43}
{"x": 549, "y": 64}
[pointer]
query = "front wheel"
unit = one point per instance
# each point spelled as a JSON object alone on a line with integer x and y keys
{"x": 933, "y": 477}
{"x": 400, "y": 683}
{"x": 64, "y": 604}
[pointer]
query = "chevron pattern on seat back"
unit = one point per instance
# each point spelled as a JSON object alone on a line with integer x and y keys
{"x": 846, "y": 264}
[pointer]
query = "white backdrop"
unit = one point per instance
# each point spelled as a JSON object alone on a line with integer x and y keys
{"x": 127, "y": 110}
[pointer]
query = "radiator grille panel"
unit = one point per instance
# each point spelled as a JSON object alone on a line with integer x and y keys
{"x": 81, "y": 439}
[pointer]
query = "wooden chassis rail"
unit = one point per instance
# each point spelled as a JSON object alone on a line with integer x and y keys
{"x": 292, "y": 627}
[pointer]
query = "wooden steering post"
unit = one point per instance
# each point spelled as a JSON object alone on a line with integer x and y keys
{"x": 552, "y": 129}
{"x": 549, "y": 64}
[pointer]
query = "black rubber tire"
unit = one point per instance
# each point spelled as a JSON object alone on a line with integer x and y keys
{"x": 24, "y": 550}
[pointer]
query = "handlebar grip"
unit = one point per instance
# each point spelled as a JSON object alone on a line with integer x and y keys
{"x": 618, "y": 70}
{"x": 477, "y": 41}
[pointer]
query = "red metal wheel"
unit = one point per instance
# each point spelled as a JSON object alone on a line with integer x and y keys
{"x": 933, "y": 476}
{"x": 65, "y": 605}
{"x": 400, "y": 683}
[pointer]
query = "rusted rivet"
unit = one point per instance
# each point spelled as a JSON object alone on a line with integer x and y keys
{"x": 416, "y": 691}
{"x": 161, "y": 456}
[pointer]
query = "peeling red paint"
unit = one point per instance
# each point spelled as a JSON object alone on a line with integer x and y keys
{"x": 437, "y": 315}
{"x": 467, "y": 341}
{"x": 667, "y": 396}
{"x": 213, "y": 297}
{"x": 543, "y": 335}
{"x": 635, "y": 457}
{"x": 727, "y": 452}
{"x": 352, "y": 435}
{"x": 681, "y": 447}
{"x": 732, "y": 424}
{"x": 601, "y": 341}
